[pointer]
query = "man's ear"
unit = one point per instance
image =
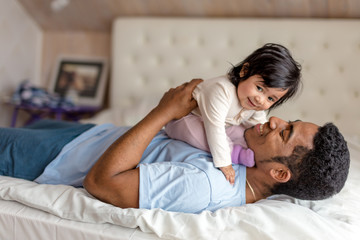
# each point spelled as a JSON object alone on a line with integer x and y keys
{"x": 280, "y": 174}
{"x": 244, "y": 69}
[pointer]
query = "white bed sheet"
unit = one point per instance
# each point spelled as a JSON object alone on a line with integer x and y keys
{"x": 18, "y": 222}
{"x": 279, "y": 218}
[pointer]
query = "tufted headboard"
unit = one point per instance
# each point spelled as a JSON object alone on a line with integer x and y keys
{"x": 150, "y": 55}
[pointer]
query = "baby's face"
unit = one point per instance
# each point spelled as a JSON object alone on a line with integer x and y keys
{"x": 254, "y": 95}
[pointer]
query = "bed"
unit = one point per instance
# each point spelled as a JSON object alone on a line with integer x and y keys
{"x": 150, "y": 55}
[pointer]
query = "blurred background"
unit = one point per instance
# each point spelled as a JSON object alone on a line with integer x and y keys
{"x": 33, "y": 33}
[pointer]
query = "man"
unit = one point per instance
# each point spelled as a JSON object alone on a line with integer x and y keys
{"x": 297, "y": 158}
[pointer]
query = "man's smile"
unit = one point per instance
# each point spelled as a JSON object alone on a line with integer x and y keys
{"x": 259, "y": 128}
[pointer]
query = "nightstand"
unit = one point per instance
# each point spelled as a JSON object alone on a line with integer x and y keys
{"x": 71, "y": 113}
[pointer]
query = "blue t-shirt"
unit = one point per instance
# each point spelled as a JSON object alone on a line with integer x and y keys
{"x": 174, "y": 176}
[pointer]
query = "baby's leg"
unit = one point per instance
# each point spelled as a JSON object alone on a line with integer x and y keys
{"x": 240, "y": 153}
{"x": 243, "y": 156}
{"x": 189, "y": 129}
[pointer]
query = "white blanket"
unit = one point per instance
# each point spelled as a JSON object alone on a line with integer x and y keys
{"x": 281, "y": 217}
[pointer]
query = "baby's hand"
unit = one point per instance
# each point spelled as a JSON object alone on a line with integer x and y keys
{"x": 229, "y": 173}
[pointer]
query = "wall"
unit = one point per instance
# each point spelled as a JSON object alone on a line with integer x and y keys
{"x": 72, "y": 43}
{"x": 28, "y": 52}
{"x": 20, "y": 52}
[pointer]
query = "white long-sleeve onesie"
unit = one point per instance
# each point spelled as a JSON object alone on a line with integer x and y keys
{"x": 219, "y": 107}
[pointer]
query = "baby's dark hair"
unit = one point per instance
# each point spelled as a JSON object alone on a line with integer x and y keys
{"x": 274, "y": 63}
{"x": 318, "y": 173}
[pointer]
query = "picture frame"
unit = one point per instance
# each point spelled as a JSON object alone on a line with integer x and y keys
{"x": 81, "y": 80}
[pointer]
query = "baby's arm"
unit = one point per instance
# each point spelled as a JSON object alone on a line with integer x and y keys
{"x": 190, "y": 129}
{"x": 229, "y": 173}
{"x": 214, "y": 102}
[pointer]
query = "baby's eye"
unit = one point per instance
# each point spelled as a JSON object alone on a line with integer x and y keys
{"x": 259, "y": 88}
{"x": 271, "y": 99}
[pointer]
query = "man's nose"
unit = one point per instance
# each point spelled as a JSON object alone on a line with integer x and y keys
{"x": 276, "y": 122}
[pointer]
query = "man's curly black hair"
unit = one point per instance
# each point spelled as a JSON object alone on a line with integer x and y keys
{"x": 318, "y": 173}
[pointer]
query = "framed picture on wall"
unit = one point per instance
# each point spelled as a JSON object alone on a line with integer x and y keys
{"x": 80, "y": 79}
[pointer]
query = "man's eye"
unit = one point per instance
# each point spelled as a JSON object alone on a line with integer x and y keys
{"x": 259, "y": 88}
{"x": 282, "y": 134}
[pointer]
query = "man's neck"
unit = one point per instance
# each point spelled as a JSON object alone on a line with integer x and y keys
{"x": 257, "y": 183}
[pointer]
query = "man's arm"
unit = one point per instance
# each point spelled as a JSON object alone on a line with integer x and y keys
{"x": 114, "y": 178}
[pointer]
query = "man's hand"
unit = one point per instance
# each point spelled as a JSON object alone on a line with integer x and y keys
{"x": 229, "y": 173}
{"x": 178, "y": 102}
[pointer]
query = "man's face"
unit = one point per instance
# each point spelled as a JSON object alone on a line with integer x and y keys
{"x": 279, "y": 138}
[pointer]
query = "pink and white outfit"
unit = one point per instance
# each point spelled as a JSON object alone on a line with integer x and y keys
{"x": 218, "y": 128}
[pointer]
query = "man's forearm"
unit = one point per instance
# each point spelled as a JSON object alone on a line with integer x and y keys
{"x": 125, "y": 153}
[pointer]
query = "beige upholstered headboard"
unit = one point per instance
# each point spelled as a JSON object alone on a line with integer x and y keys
{"x": 151, "y": 55}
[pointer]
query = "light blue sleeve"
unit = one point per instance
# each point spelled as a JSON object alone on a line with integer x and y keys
{"x": 77, "y": 157}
